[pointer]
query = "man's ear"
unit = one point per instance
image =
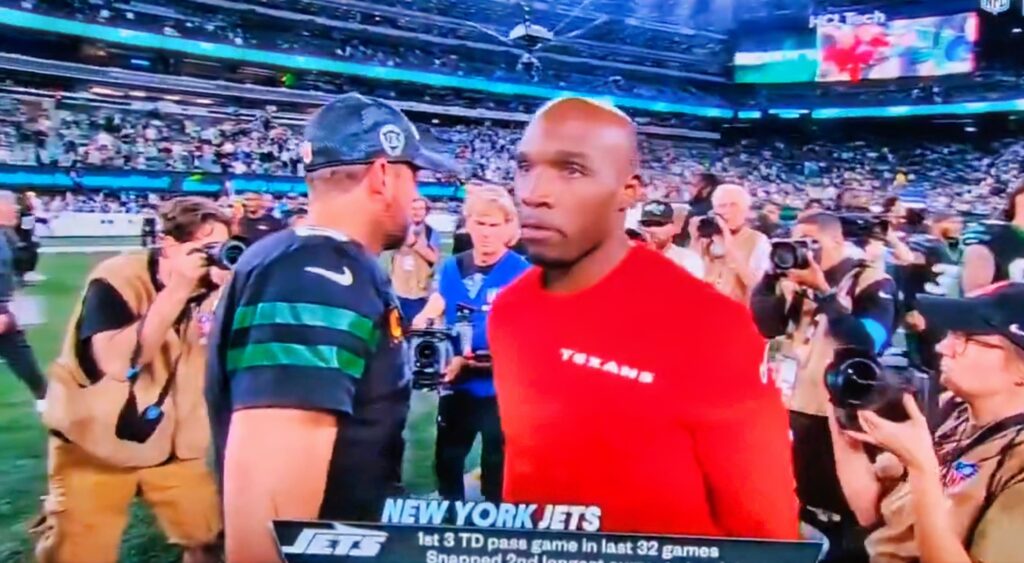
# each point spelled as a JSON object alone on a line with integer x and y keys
{"x": 377, "y": 180}
{"x": 630, "y": 193}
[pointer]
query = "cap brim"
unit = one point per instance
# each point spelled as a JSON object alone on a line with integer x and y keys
{"x": 960, "y": 315}
{"x": 429, "y": 160}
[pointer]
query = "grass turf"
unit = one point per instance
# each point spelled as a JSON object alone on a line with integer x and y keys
{"x": 23, "y": 439}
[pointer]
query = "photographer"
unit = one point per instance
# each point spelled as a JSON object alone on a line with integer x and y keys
{"x": 702, "y": 187}
{"x": 735, "y": 256}
{"x": 125, "y": 403}
{"x": 833, "y": 301}
{"x": 658, "y": 225}
{"x": 412, "y": 264}
{"x": 468, "y": 405}
{"x": 958, "y": 495}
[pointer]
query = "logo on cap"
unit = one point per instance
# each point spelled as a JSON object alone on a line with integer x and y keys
{"x": 306, "y": 151}
{"x": 392, "y": 139}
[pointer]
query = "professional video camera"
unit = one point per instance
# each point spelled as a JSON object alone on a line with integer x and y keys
{"x": 858, "y": 380}
{"x": 859, "y": 228}
{"x": 430, "y": 350}
{"x": 224, "y": 255}
{"x": 794, "y": 254}
{"x": 707, "y": 226}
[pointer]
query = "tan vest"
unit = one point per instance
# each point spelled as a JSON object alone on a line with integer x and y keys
{"x": 994, "y": 539}
{"x": 411, "y": 275}
{"x": 717, "y": 271}
{"x": 86, "y": 414}
{"x": 811, "y": 345}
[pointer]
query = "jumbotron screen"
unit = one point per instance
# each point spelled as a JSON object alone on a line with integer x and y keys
{"x": 897, "y": 48}
{"x": 930, "y": 46}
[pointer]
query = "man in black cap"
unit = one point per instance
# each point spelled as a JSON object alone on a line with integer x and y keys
{"x": 305, "y": 364}
{"x": 657, "y": 219}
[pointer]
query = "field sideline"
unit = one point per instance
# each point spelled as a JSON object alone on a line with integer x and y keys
{"x": 22, "y": 438}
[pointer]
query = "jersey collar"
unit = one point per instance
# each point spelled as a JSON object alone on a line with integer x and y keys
{"x": 322, "y": 232}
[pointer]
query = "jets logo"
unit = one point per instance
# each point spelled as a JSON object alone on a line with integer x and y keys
{"x": 995, "y": 7}
{"x": 392, "y": 139}
{"x": 341, "y": 540}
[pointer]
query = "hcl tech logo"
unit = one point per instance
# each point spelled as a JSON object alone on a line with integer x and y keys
{"x": 341, "y": 541}
{"x": 847, "y": 18}
{"x": 995, "y": 7}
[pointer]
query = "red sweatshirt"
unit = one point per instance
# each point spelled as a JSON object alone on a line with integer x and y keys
{"x": 644, "y": 395}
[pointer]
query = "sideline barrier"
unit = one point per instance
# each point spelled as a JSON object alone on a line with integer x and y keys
{"x": 100, "y": 179}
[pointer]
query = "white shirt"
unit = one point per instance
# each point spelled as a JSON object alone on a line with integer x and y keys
{"x": 685, "y": 259}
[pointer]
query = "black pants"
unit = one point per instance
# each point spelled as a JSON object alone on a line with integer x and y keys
{"x": 18, "y": 354}
{"x": 460, "y": 417}
{"x": 822, "y": 503}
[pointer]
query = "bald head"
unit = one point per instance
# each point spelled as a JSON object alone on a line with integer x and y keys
{"x": 610, "y": 123}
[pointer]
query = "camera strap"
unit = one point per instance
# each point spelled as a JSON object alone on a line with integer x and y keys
{"x": 135, "y": 369}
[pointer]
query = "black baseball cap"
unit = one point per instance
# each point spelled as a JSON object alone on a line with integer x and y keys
{"x": 997, "y": 310}
{"x": 355, "y": 129}
{"x": 656, "y": 212}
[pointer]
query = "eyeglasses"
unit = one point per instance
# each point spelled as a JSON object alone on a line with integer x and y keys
{"x": 959, "y": 342}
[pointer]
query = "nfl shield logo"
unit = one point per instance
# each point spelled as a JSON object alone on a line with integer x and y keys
{"x": 995, "y": 6}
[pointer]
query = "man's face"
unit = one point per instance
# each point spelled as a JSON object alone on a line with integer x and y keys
{"x": 830, "y": 244}
{"x": 490, "y": 230}
{"x": 254, "y": 205}
{"x": 419, "y": 211}
{"x": 658, "y": 233}
{"x": 856, "y": 199}
{"x": 400, "y": 182}
{"x": 732, "y": 207}
{"x": 209, "y": 233}
{"x": 772, "y": 213}
{"x": 573, "y": 182}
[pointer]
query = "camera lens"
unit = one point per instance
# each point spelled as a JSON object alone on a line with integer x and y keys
{"x": 231, "y": 252}
{"x": 853, "y": 380}
{"x": 784, "y": 256}
{"x": 425, "y": 352}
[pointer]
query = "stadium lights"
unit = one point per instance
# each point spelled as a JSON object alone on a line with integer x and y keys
{"x": 28, "y": 20}
{"x": 137, "y": 94}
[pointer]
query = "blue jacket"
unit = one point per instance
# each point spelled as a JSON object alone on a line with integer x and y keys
{"x": 453, "y": 289}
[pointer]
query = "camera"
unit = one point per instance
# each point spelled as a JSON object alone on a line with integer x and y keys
{"x": 860, "y": 228}
{"x": 858, "y": 380}
{"x": 707, "y": 226}
{"x": 224, "y": 255}
{"x": 429, "y": 351}
{"x": 794, "y": 254}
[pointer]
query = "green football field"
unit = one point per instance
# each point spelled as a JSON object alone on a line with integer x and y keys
{"x": 23, "y": 440}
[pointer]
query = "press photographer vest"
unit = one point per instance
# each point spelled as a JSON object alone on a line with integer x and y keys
{"x": 86, "y": 413}
{"x": 811, "y": 345}
{"x": 411, "y": 275}
{"x": 717, "y": 271}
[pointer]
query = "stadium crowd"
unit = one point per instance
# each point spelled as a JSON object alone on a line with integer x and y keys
{"x": 956, "y": 175}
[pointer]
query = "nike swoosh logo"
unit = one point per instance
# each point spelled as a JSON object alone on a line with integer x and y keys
{"x": 343, "y": 278}
{"x": 884, "y": 295}
{"x": 1015, "y": 328}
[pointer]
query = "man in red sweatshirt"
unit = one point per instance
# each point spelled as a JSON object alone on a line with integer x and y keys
{"x": 623, "y": 382}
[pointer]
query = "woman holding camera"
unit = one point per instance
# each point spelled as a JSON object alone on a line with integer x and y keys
{"x": 957, "y": 495}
